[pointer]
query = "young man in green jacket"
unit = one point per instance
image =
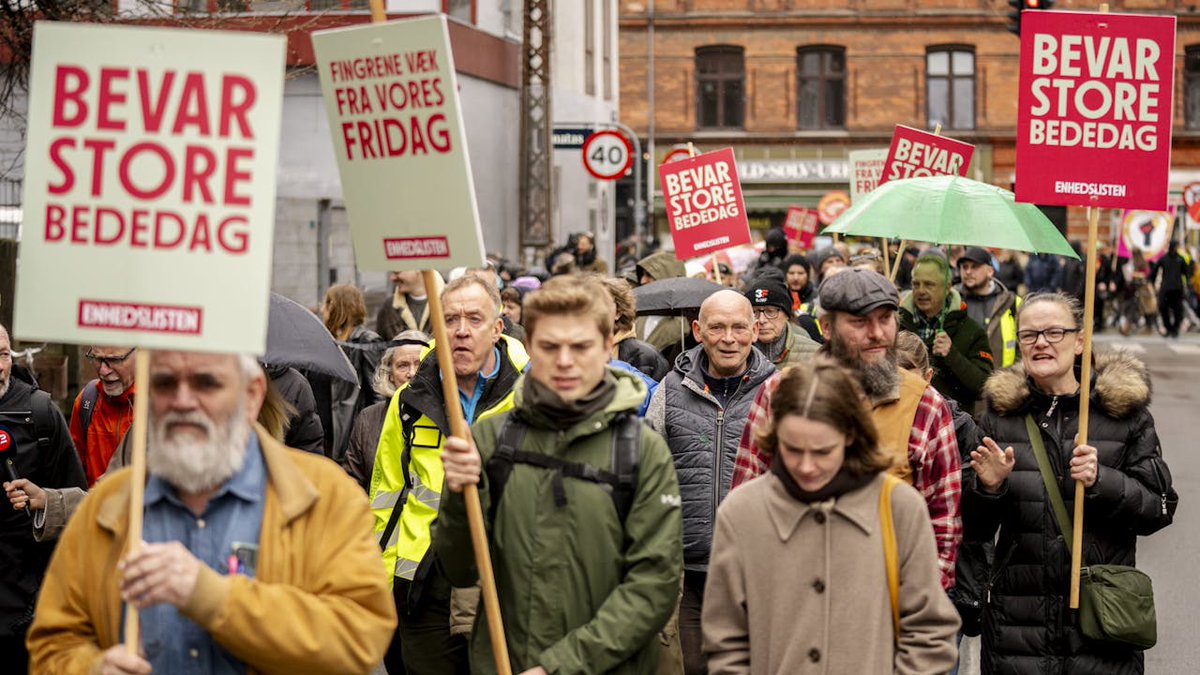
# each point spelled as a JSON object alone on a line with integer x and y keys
{"x": 587, "y": 561}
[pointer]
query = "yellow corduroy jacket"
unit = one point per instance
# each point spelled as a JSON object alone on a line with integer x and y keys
{"x": 319, "y": 604}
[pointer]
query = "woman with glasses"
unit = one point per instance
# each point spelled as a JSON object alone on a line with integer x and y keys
{"x": 1027, "y": 626}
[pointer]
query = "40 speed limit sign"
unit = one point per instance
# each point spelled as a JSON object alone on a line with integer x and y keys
{"x": 607, "y": 155}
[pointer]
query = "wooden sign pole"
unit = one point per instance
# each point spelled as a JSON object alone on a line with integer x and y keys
{"x": 1085, "y": 388}
{"x": 458, "y": 427}
{"x": 137, "y": 482}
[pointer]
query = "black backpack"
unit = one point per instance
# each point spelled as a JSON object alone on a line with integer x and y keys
{"x": 622, "y": 479}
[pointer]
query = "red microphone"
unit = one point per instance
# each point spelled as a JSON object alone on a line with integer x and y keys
{"x": 5, "y": 444}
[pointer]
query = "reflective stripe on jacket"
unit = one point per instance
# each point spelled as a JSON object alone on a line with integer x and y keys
{"x": 410, "y": 539}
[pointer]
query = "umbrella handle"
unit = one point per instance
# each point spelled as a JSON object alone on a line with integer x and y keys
{"x": 899, "y": 257}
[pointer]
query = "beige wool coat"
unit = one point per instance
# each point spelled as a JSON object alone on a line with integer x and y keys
{"x": 796, "y": 588}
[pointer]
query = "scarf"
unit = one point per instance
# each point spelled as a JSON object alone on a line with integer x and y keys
{"x": 843, "y": 481}
{"x": 546, "y": 402}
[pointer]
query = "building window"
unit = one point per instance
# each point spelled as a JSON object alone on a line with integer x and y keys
{"x": 463, "y": 10}
{"x": 589, "y": 47}
{"x": 720, "y": 87}
{"x": 607, "y": 49}
{"x": 821, "y": 88}
{"x": 950, "y": 87}
{"x": 1191, "y": 87}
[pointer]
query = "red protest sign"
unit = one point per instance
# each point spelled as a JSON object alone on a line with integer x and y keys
{"x": 704, "y": 204}
{"x": 801, "y": 226}
{"x": 916, "y": 153}
{"x": 1094, "y": 109}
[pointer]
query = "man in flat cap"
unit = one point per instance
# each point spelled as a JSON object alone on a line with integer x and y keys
{"x": 858, "y": 318}
{"x": 782, "y": 341}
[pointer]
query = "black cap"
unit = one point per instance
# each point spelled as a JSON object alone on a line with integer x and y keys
{"x": 819, "y": 257}
{"x": 769, "y": 292}
{"x": 858, "y": 291}
{"x": 976, "y": 255}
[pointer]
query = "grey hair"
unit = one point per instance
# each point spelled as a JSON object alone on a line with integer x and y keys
{"x": 381, "y": 381}
{"x": 248, "y": 366}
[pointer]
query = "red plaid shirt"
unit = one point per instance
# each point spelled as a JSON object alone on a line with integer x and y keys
{"x": 932, "y": 454}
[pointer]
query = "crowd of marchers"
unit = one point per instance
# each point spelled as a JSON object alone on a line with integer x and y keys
{"x": 811, "y": 468}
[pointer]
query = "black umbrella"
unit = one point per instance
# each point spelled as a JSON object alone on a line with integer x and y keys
{"x": 296, "y": 338}
{"x": 673, "y": 296}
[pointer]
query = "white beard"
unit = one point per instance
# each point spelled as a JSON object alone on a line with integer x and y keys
{"x": 192, "y": 466}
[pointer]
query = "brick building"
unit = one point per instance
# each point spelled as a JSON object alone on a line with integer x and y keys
{"x": 793, "y": 85}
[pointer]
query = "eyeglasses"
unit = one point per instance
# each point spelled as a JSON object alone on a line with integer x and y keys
{"x": 1053, "y": 335}
{"x": 109, "y": 361}
{"x": 769, "y": 312}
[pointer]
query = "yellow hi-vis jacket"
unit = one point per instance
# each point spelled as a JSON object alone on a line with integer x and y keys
{"x": 415, "y": 447}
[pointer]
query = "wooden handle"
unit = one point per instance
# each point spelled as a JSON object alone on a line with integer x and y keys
{"x": 899, "y": 257}
{"x": 716, "y": 268}
{"x": 137, "y": 481}
{"x": 458, "y": 427}
{"x": 1085, "y": 390}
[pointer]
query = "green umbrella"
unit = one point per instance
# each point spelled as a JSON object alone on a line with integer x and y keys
{"x": 952, "y": 210}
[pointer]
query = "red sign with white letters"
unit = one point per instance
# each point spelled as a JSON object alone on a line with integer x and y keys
{"x": 704, "y": 204}
{"x": 1094, "y": 109}
{"x": 915, "y": 153}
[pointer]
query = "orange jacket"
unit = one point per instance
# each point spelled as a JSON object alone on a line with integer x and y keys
{"x": 110, "y": 421}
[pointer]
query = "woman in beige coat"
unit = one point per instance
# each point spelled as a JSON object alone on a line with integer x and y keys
{"x": 797, "y": 582}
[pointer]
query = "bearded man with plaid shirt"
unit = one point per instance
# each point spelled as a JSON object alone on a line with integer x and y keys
{"x": 914, "y": 422}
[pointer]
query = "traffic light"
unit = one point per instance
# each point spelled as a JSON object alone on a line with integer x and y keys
{"x": 1018, "y": 6}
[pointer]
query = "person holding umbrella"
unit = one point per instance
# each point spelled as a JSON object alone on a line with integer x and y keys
{"x": 1027, "y": 627}
{"x": 962, "y": 357}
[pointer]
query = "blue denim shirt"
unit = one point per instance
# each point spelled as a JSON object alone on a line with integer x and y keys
{"x": 174, "y": 644}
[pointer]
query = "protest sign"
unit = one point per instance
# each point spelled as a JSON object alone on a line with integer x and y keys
{"x": 150, "y": 187}
{"x": 1148, "y": 231}
{"x": 866, "y": 171}
{"x": 832, "y": 205}
{"x": 704, "y": 204}
{"x": 915, "y": 153}
{"x": 1191, "y": 203}
{"x": 394, "y": 115}
{"x": 801, "y": 226}
{"x": 1094, "y": 109}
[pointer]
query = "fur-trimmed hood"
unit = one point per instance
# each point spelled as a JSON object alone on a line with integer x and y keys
{"x": 1120, "y": 386}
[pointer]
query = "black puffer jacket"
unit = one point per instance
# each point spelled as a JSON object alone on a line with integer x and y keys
{"x": 304, "y": 430}
{"x": 1027, "y": 627}
{"x": 703, "y": 438}
{"x": 41, "y": 450}
{"x": 644, "y": 357}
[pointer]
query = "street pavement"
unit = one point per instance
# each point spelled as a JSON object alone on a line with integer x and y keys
{"x": 1170, "y": 556}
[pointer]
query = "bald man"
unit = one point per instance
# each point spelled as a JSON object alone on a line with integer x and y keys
{"x": 700, "y": 408}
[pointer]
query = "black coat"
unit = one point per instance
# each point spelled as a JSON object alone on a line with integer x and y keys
{"x": 1027, "y": 627}
{"x": 304, "y": 430}
{"x": 41, "y": 450}
{"x": 644, "y": 357}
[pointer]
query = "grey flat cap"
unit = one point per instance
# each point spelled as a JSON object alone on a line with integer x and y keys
{"x": 858, "y": 291}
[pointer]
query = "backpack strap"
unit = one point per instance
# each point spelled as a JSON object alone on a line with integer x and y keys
{"x": 44, "y": 424}
{"x": 622, "y": 479}
{"x": 891, "y": 558}
{"x": 500, "y": 464}
{"x": 87, "y": 406}
{"x": 626, "y": 458}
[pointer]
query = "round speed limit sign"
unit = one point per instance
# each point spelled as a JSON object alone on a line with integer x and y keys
{"x": 607, "y": 155}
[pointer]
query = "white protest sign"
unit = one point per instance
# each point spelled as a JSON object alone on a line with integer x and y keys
{"x": 866, "y": 170}
{"x": 150, "y": 187}
{"x": 392, "y": 98}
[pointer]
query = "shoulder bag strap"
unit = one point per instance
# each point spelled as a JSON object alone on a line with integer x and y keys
{"x": 1056, "y": 500}
{"x": 891, "y": 558}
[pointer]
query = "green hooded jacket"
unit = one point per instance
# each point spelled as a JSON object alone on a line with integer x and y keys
{"x": 579, "y": 593}
{"x": 961, "y": 374}
{"x": 670, "y": 330}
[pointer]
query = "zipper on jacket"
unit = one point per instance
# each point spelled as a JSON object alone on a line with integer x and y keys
{"x": 1053, "y": 405}
{"x": 717, "y": 463}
